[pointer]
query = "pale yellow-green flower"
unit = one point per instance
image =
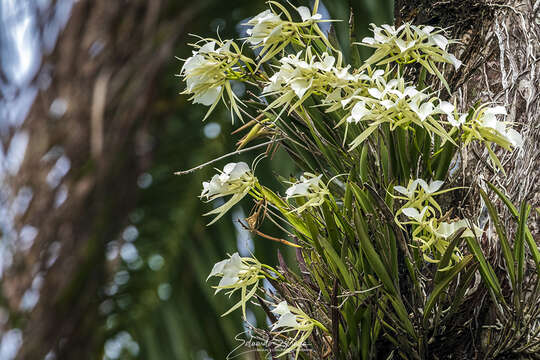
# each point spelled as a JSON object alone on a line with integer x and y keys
{"x": 311, "y": 188}
{"x": 430, "y": 234}
{"x": 409, "y": 43}
{"x": 485, "y": 126}
{"x": 269, "y": 32}
{"x": 294, "y": 319}
{"x": 394, "y": 102}
{"x": 238, "y": 273}
{"x": 236, "y": 179}
{"x": 210, "y": 69}
{"x": 303, "y": 74}
{"x": 491, "y": 129}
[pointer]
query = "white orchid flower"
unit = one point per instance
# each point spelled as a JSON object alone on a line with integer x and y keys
{"x": 239, "y": 273}
{"x": 409, "y": 44}
{"x": 343, "y": 74}
{"x": 233, "y": 171}
{"x": 311, "y": 187}
{"x": 326, "y": 64}
{"x": 214, "y": 187}
{"x": 236, "y": 179}
{"x": 419, "y": 201}
{"x": 263, "y": 25}
{"x": 272, "y": 33}
{"x": 210, "y": 69}
{"x": 433, "y": 186}
{"x": 358, "y": 112}
{"x": 302, "y": 188}
{"x": 229, "y": 270}
{"x": 302, "y": 74}
{"x": 199, "y": 72}
{"x": 414, "y": 214}
{"x": 493, "y": 130}
{"x": 446, "y": 229}
{"x": 450, "y": 58}
{"x": 424, "y": 110}
{"x": 306, "y": 15}
{"x": 439, "y": 40}
{"x": 448, "y": 109}
{"x": 409, "y": 190}
{"x": 394, "y": 102}
{"x": 294, "y": 319}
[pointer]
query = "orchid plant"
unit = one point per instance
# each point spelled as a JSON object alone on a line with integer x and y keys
{"x": 385, "y": 267}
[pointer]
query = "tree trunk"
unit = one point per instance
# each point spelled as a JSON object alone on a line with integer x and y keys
{"x": 90, "y": 123}
{"x": 500, "y": 48}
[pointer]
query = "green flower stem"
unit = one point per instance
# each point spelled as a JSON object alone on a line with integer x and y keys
{"x": 274, "y": 271}
{"x": 320, "y": 326}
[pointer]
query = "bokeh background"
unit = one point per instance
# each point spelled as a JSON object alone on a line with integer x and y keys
{"x": 103, "y": 251}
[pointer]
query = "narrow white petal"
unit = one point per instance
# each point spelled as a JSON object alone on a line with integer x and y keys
{"x": 435, "y": 186}
{"x": 228, "y": 280}
{"x": 359, "y": 110}
{"x": 208, "y": 47}
{"x": 281, "y": 308}
{"x": 287, "y": 320}
{"x": 440, "y": 41}
{"x": 515, "y": 138}
{"x": 218, "y": 268}
{"x": 423, "y": 184}
{"x": 304, "y": 12}
{"x": 208, "y": 97}
{"x": 368, "y": 40}
{"x": 401, "y": 190}
{"x": 376, "y": 93}
{"x": 412, "y": 213}
{"x": 454, "y": 61}
{"x": 446, "y": 107}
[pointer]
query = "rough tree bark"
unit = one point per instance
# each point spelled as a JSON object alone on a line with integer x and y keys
{"x": 103, "y": 67}
{"x": 500, "y": 50}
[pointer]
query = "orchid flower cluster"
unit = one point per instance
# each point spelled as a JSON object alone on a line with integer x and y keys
{"x": 374, "y": 96}
{"x": 244, "y": 274}
{"x": 300, "y": 76}
{"x": 411, "y": 44}
{"x": 430, "y": 231}
{"x": 397, "y": 104}
{"x": 269, "y": 32}
{"x": 209, "y": 71}
{"x": 314, "y": 103}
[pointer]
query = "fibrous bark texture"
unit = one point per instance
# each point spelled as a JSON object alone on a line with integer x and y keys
{"x": 500, "y": 50}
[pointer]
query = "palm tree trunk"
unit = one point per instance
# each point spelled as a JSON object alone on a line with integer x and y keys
{"x": 500, "y": 48}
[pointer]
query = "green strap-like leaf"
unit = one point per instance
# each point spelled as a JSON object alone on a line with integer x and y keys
{"x": 442, "y": 285}
{"x": 505, "y": 246}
